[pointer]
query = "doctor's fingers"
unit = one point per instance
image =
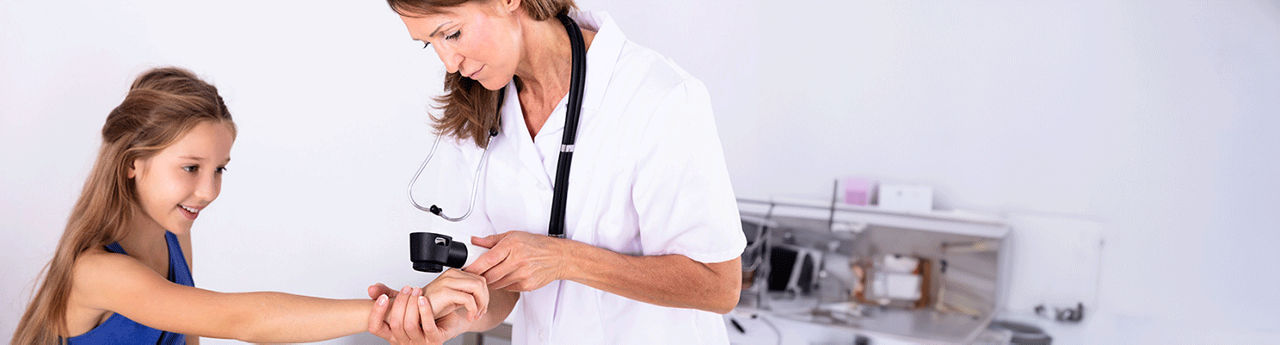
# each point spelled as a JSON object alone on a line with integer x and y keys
{"x": 412, "y": 326}
{"x": 396, "y": 317}
{"x": 512, "y": 281}
{"x": 486, "y": 261}
{"x": 503, "y": 271}
{"x": 469, "y": 283}
{"x": 448, "y": 327}
{"x": 447, "y": 301}
{"x": 489, "y": 241}
{"x": 431, "y": 333}
{"x": 378, "y": 318}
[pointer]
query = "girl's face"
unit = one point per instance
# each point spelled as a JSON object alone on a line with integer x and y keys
{"x": 479, "y": 39}
{"x": 178, "y": 182}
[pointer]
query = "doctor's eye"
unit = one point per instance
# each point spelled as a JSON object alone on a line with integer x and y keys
{"x": 454, "y": 36}
{"x": 190, "y": 168}
{"x": 426, "y": 45}
{"x": 221, "y": 170}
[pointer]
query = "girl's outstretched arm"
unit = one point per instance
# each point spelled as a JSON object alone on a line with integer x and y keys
{"x": 120, "y": 284}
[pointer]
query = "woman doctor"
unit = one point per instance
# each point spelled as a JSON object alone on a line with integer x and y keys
{"x": 652, "y": 245}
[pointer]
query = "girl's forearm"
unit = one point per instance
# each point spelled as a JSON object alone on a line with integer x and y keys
{"x": 282, "y": 317}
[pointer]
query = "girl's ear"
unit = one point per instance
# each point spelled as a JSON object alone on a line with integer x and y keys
{"x": 133, "y": 168}
{"x": 510, "y": 5}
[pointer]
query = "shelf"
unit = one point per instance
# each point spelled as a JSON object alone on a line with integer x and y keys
{"x": 953, "y": 222}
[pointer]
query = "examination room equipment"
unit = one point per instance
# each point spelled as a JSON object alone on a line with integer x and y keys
{"x": 815, "y": 272}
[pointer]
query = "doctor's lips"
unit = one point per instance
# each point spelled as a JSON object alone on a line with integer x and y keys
{"x": 190, "y": 212}
{"x": 473, "y": 74}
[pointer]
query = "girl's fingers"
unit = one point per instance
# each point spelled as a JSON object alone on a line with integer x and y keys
{"x": 379, "y": 289}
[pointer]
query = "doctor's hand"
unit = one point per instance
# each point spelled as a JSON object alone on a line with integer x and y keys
{"x": 441, "y": 311}
{"x": 451, "y": 290}
{"x": 520, "y": 261}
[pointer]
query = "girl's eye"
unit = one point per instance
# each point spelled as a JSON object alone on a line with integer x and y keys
{"x": 426, "y": 45}
{"x": 454, "y": 36}
{"x": 190, "y": 168}
{"x": 221, "y": 170}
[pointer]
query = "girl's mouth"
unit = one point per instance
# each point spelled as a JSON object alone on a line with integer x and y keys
{"x": 189, "y": 212}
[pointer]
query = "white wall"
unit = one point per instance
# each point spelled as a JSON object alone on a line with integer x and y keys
{"x": 1156, "y": 118}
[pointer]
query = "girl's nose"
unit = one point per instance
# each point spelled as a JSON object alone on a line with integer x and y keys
{"x": 208, "y": 188}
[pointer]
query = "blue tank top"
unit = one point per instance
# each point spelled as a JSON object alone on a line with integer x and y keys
{"x": 121, "y": 330}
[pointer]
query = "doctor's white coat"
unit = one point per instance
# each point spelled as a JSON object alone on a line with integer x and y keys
{"x": 648, "y": 178}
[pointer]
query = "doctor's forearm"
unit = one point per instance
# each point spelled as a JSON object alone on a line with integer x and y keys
{"x": 666, "y": 280}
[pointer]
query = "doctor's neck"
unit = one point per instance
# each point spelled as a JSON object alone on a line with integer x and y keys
{"x": 546, "y": 59}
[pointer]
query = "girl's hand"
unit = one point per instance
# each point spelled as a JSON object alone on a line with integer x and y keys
{"x": 520, "y": 261}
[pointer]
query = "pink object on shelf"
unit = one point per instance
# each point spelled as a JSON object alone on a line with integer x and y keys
{"x": 857, "y": 191}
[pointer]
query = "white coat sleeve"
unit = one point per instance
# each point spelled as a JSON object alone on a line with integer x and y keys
{"x": 682, "y": 194}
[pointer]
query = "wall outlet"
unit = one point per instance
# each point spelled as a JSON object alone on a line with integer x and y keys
{"x": 912, "y": 198}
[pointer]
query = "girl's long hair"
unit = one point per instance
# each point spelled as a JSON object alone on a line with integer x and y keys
{"x": 162, "y": 105}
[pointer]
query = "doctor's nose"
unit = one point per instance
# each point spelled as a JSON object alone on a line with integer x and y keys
{"x": 452, "y": 61}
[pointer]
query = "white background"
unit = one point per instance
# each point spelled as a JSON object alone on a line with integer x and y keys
{"x": 1157, "y": 119}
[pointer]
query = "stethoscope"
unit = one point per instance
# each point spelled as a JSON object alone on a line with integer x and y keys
{"x": 561, "y": 192}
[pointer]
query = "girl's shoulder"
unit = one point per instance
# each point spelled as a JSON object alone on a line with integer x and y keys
{"x": 100, "y": 278}
{"x": 89, "y": 272}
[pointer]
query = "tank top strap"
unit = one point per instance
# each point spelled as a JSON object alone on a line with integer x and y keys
{"x": 115, "y": 247}
{"x": 179, "y": 272}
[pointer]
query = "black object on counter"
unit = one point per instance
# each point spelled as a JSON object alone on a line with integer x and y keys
{"x": 1023, "y": 334}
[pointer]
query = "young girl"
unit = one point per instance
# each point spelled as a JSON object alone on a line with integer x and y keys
{"x": 120, "y": 274}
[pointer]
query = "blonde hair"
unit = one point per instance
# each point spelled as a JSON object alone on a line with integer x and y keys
{"x": 162, "y": 105}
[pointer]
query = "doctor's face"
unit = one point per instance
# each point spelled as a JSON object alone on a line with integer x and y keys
{"x": 479, "y": 39}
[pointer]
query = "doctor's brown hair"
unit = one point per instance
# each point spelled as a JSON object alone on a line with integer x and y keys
{"x": 162, "y": 105}
{"x": 470, "y": 110}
